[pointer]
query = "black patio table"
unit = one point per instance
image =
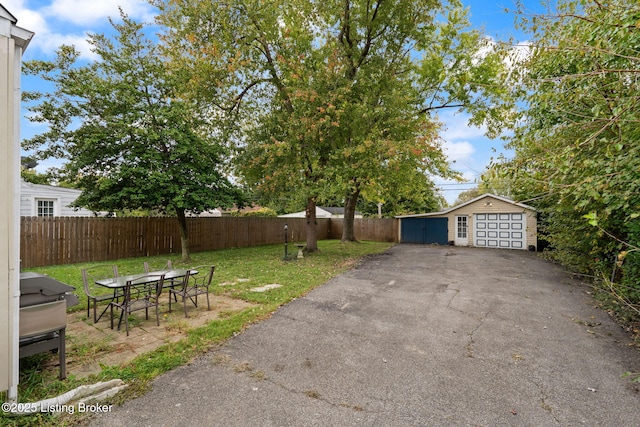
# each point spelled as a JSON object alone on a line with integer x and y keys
{"x": 143, "y": 278}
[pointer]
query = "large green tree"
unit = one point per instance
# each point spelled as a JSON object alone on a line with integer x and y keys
{"x": 336, "y": 99}
{"x": 245, "y": 60}
{"x": 130, "y": 139}
{"x": 577, "y": 149}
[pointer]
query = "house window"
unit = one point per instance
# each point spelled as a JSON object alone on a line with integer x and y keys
{"x": 44, "y": 207}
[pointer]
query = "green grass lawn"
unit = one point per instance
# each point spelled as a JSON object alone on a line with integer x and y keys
{"x": 240, "y": 269}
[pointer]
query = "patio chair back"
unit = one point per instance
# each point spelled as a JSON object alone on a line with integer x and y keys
{"x": 168, "y": 283}
{"x": 194, "y": 285}
{"x": 140, "y": 293}
{"x": 89, "y": 276}
{"x": 167, "y": 266}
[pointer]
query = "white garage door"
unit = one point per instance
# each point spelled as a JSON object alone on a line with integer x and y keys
{"x": 500, "y": 230}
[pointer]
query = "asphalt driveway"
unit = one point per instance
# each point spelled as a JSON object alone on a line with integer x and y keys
{"x": 418, "y": 336}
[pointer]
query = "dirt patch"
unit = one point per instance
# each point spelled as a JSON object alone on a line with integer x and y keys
{"x": 91, "y": 346}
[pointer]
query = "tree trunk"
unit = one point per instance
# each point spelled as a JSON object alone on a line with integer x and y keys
{"x": 348, "y": 229}
{"x": 184, "y": 235}
{"x": 312, "y": 232}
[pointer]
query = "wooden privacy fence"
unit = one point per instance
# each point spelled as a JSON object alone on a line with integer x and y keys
{"x": 69, "y": 240}
{"x": 374, "y": 229}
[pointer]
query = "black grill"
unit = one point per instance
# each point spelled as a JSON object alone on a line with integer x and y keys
{"x": 43, "y": 315}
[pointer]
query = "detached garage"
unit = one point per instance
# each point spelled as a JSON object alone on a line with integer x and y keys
{"x": 487, "y": 221}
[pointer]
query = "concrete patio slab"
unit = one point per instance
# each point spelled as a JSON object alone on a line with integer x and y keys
{"x": 91, "y": 345}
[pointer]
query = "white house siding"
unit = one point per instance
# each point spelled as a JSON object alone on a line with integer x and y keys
{"x": 61, "y": 197}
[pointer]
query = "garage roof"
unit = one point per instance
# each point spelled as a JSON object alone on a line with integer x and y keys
{"x": 446, "y": 211}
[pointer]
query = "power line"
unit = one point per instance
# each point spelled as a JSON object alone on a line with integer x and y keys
{"x": 454, "y": 183}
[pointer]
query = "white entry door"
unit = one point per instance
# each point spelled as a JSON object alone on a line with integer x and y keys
{"x": 462, "y": 227}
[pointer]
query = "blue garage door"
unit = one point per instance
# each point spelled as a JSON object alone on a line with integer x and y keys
{"x": 424, "y": 230}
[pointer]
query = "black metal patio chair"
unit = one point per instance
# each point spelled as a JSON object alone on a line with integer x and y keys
{"x": 140, "y": 293}
{"x": 89, "y": 277}
{"x": 168, "y": 283}
{"x": 192, "y": 286}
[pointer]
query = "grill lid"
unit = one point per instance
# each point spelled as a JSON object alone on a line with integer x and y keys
{"x": 38, "y": 288}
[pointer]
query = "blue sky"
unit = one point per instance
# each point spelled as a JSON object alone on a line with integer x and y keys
{"x": 467, "y": 145}
{"x": 57, "y": 22}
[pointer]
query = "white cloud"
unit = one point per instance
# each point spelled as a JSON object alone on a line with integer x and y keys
{"x": 487, "y": 46}
{"x": 519, "y": 54}
{"x": 69, "y": 21}
{"x": 457, "y": 130}
{"x": 469, "y": 176}
{"x": 27, "y": 18}
{"x": 80, "y": 13}
{"x": 456, "y": 126}
{"x": 51, "y": 42}
{"x": 458, "y": 150}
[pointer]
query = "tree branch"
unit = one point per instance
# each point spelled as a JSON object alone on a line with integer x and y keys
{"x": 590, "y": 73}
{"x": 440, "y": 107}
{"x": 238, "y": 99}
{"x": 369, "y": 37}
{"x": 345, "y": 37}
{"x": 266, "y": 51}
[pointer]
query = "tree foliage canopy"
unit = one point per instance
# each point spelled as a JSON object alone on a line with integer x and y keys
{"x": 337, "y": 99}
{"x": 132, "y": 140}
{"x": 577, "y": 151}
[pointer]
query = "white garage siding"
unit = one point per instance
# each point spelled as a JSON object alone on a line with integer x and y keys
{"x": 491, "y": 222}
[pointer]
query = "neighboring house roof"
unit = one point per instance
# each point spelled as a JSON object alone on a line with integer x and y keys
{"x": 320, "y": 213}
{"x": 20, "y": 36}
{"x": 49, "y": 188}
{"x": 474, "y": 200}
{"x": 337, "y": 210}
